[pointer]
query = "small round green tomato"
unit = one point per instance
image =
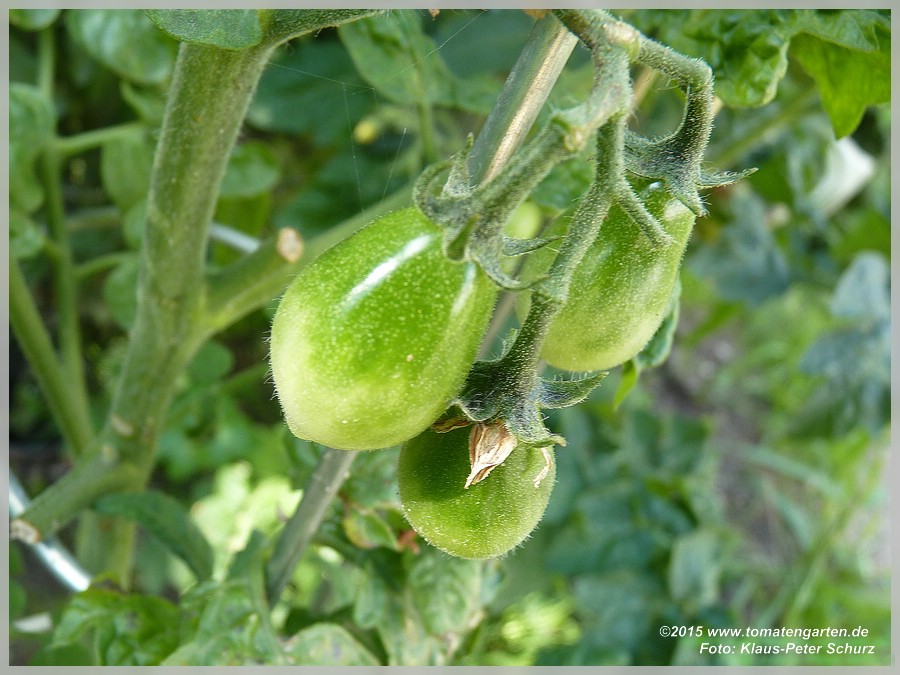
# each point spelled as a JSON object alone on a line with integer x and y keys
{"x": 374, "y": 338}
{"x": 485, "y": 520}
{"x": 621, "y": 289}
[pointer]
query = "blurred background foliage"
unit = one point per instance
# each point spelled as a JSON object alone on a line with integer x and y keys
{"x": 740, "y": 483}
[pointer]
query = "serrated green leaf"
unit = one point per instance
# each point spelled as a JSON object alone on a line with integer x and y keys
{"x": 252, "y": 170}
{"x": 25, "y": 237}
{"x": 32, "y": 19}
{"x": 848, "y": 81}
{"x": 617, "y": 608}
{"x": 226, "y": 628}
{"x": 125, "y": 41}
{"x": 318, "y": 79}
{"x": 695, "y": 568}
{"x": 125, "y": 630}
{"x": 148, "y": 102}
{"x": 445, "y": 590}
{"x": 863, "y": 291}
{"x": 371, "y": 601}
{"x": 166, "y": 519}
{"x": 395, "y": 56}
{"x": 212, "y": 362}
{"x": 232, "y": 29}
{"x": 367, "y": 529}
{"x": 125, "y": 166}
{"x": 745, "y": 263}
{"x": 31, "y": 124}
{"x": 855, "y": 29}
{"x": 120, "y": 291}
{"x": 327, "y": 644}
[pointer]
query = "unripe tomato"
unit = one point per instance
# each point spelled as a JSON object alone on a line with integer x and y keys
{"x": 620, "y": 291}
{"x": 486, "y": 519}
{"x": 374, "y": 338}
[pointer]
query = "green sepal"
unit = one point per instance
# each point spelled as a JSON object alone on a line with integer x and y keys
{"x": 564, "y": 393}
{"x": 513, "y": 247}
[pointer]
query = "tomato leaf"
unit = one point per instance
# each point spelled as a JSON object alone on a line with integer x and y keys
{"x": 125, "y": 41}
{"x": 26, "y": 239}
{"x": 32, "y": 19}
{"x": 694, "y": 569}
{"x": 31, "y": 125}
{"x": 166, "y": 519}
{"x": 367, "y": 529}
{"x": 125, "y": 166}
{"x": 446, "y": 590}
{"x": 232, "y": 29}
{"x": 120, "y": 291}
{"x": 395, "y": 56}
{"x": 252, "y": 170}
{"x": 317, "y": 78}
{"x": 327, "y": 644}
{"x": 849, "y": 81}
{"x": 125, "y": 629}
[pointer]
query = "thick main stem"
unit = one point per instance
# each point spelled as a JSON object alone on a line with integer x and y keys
{"x": 210, "y": 92}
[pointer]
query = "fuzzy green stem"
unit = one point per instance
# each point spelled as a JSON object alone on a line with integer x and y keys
{"x": 88, "y": 140}
{"x": 320, "y": 490}
{"x": 34, "y": 340}
{"x": 526, "y": 90}
{"x": 90, "y": 478}
{"x": 64, "y": 278}
{"x": 210, "y": 92}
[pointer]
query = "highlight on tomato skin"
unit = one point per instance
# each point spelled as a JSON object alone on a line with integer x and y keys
{"x": 620, "y": 292}
{"x": 489, "y": 518}
{"x": 372, "y": 340}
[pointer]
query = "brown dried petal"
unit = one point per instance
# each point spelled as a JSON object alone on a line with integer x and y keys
{"x": 489, "y": 446}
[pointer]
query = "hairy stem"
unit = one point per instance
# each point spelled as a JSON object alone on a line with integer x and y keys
{"x": 35, "y": 342}
{"x": 526, "y": 90}
{"x": 320, "y": 490}
{"x": 210, "y": 92}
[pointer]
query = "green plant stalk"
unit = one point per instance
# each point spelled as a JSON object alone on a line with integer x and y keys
{"x": 538, "y": 63}
{"x": 199, "y": 129}
{"x": 64, "y": 278}
{"x": 543, "y": 57}
{"x": 88, "y": 140}
{"x": 209, "y": 95}
{"x": 37, "y": 346}
{"x": 320, "y": 490}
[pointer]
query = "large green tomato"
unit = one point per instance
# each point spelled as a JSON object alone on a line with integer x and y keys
{"x": 373, "y": 339}
{"x": 621, "y": 289}
{"x": 486, "y": 519}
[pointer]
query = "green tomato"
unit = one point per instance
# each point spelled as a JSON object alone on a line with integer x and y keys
{"x": 373, "y": 339}
{"x": 485, "y": 520}
{"x": 620, "y": 291}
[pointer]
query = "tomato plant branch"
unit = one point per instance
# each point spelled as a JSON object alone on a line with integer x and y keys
{"x": 35, "y": 342}
{"x": 88, "y": 140}
{"x": 543, "y": 57}
{"x": 200, "y": 126}
{"x": 320, "y": 490}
